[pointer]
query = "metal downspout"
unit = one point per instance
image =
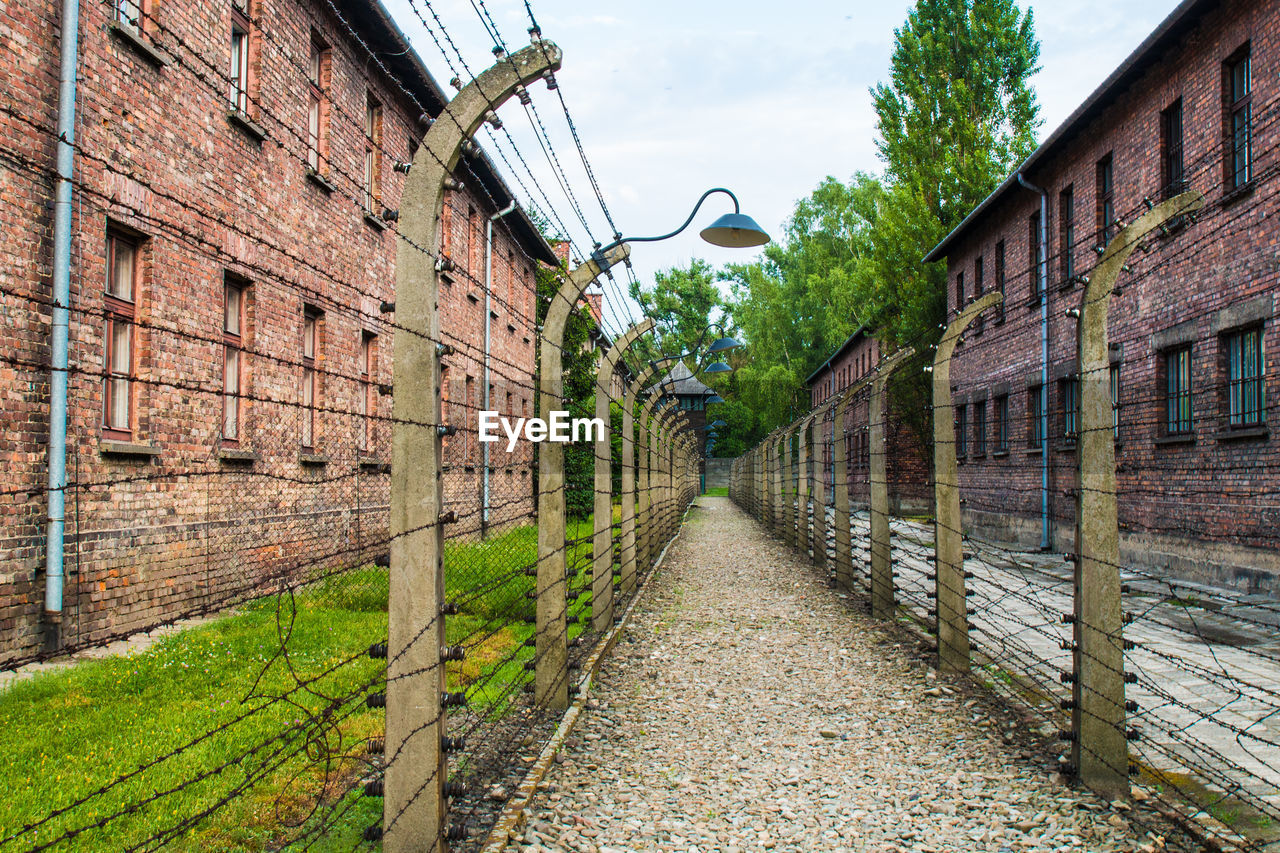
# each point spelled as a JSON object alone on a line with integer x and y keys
{"x": 54, "y": 569}
{"x": 1046, "y": 540}
{"x": 488, "y": 337}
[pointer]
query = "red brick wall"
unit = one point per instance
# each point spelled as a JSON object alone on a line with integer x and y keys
{"x": 151, "y": 537}
{"x": 1197, "y": 507}
{"x": 907, "y": 466}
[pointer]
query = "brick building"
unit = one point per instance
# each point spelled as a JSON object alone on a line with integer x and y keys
{"x": 237, "y": 170}
{"x": 1192, "y": 323}
{"x": 908, "y": 466}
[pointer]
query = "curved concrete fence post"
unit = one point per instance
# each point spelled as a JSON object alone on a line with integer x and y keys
{"x": 551, "y": 643}
{"x": 414, "y": 804}
{"x": 953, "y": 621}
{"x": 882, "y": 594}
{"x": 602, "y": 515}
{"x": 1100, "y": 750}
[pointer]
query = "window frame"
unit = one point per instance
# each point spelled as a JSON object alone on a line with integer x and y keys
{"x": 1069, "y": 402}
{"x": 233, "y": 342}
{"x": 1035, "y": 418}
{"x": 240, "y": 71}
{"x": 979, "y": 428}
{"x": 1036, "y": 294}
{"x": 312, "y": 333}
{"x": 1180, "y": 424}
{"x": 1067, "y": 234}
{"x": 1000, "y": 279}
{"x": 1237, "y": 416}
{"x": 141, "y": 9}
{"x": 1002, "y": 423}
{"x": 959, "y": 291}
{"x": 1236, "y": 105}
{"x": 318, "y": 77}
{"x": 962, "y": 430}
{"x": 372, "y": 153}
{"x": 1173, "y": 176}
{"x": 368, "y": 364}
{"x": 1105, "y": 177}
{"x": 119, "y": 310}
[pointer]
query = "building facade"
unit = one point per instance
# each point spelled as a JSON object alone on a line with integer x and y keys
{"x": 907, "y": 466}
{"x": 1192, "y": 321}
{"x": 238, "y": 166}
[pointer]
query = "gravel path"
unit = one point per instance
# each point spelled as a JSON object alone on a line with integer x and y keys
{"x": 748, "y": 707}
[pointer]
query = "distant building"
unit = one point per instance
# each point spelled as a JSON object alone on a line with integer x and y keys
{"x": 690, "y": 395}
{"x": 908, "y": 468}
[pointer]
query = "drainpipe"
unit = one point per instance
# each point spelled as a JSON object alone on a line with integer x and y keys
{"x": 53, "y": 577}
{"x": 1046, "y": 541}
{"x": 488, "y": 337}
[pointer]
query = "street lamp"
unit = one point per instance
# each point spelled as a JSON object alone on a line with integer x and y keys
{"x": 732, "y": 231}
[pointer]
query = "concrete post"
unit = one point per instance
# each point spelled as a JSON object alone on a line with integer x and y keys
{"x": 602, "y": 515}
{"x": 627, "y": 578}
{"x": 802, "y": 486}
{"x": 953, "y": 623}
{"x": 779, "y": 519}
{"x": 840, "y": 485}
{"x": 551, "y": 644}
{"x": 1100, "y": 750}
{"x": 819, "y": 490}
{"x": 414, "y": 803}
{"x": 883, "y": 604}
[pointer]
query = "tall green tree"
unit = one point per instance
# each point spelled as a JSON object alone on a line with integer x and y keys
{"x": 956, "y": 115}
{"x": 682, "y": 302}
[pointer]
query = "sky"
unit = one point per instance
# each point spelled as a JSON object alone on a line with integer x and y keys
{"x": 670, "y": 99}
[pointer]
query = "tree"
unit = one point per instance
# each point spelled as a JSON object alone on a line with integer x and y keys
{"x": 956, "y": 115}
{"x": 681, "y": 303}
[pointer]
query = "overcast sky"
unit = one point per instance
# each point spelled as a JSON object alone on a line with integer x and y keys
{"x": 673, "y": 98}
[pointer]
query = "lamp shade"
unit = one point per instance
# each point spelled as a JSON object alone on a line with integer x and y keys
{"x": 722, "y": 344}
{"x": 717, "y": 367}
{"x": 714, "y": 398}
{"x": 735, "y": 231}
{"x": 718, "y": 423}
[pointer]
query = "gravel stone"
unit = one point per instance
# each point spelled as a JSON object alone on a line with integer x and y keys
{"x": 750, "y": 707}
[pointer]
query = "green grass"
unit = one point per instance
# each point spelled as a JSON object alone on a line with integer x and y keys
{"x": 145, "y": 718}
{"x": 717, "y": 492}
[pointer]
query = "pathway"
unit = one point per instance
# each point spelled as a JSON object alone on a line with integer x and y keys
{"x": 749, "y": 708}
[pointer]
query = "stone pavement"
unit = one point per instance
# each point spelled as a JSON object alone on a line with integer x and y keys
{"x": 748, "y": 707}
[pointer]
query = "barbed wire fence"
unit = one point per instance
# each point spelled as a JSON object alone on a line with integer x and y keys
{"x": 1125, "y": 669}
{"x": 287, "y": 550}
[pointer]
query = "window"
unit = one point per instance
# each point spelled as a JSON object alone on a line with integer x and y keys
{"x": 1177, "y": 388}
{"x": 959, "y": 291}
{"x": 1000, "y": 280}
{"x": 1245, "y": 404}
{"x": 310, "y": 376}
{"x": 368, "y": 400}
{"x": 1033, "y": 258}
{"x": 980, "y": 428}
{"x": 1069, "y": 395}
{"x": 1035, "y": 417}
{"x": 1106, "y": 200}
{"x": 372, "y": 153}
{"x": 131, "y": 15}
{"x": 239, "y": 77}
{"x": 469, "y": 244}
{"x": 119, "y": 302}
{"x": 233, "y": 311}
{"x": 317, "y": 106}
{"x": 1171, "y": 165}
{"x": 1002, "y": 423}
{"x": 1239, "y": 112}
{"x": 962, "y": 431}
{"x": 1115, "y": 401}
{"x": 1067, "y": 234}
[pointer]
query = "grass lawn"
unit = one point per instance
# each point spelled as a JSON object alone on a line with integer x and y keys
{"x": 214, "y": 719}
{"x": 717, "y": 492}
